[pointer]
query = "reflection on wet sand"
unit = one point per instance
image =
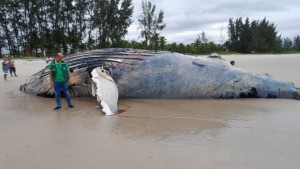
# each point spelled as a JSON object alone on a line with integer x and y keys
{"x": 183, "y": 120}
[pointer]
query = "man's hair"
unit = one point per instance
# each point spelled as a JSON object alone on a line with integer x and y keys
{"x": 58, "y": 54}
{"x": 232, "y": 62}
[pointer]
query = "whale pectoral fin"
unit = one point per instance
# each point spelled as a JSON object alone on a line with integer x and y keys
{"x": 106, "y": 91}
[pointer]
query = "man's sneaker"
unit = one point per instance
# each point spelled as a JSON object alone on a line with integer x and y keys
{"x": 56, "y": 108}
{"x": 70, "y": 106}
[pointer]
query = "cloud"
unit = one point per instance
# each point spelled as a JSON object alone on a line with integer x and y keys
{"x": 186, "y": 19}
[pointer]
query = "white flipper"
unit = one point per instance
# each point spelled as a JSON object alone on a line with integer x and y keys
{"x": 106, "y": 91}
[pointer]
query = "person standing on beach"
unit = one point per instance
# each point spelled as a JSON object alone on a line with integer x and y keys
{"x": 11, "y": 66}
{"x": 5, "y": 67}
{"x": 49, "y": 59}
{"x": 232, "y": 63}
{"x": 60, "y": 79}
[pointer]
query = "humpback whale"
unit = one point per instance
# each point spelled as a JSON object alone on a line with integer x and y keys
{"x": 159, "y": 74}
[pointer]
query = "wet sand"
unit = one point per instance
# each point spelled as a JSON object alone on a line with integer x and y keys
{"x": 190, "y": 134}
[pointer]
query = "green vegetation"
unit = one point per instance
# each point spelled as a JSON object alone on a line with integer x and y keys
{"x": 150, "y": 25}
{"x": 258, "y": 37}
{"x": 44, "y": 27}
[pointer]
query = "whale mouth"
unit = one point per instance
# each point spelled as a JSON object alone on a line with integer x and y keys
{"x": 106, "y": 91}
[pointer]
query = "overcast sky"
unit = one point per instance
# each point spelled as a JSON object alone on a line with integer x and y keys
{"x": 185, "y": 19}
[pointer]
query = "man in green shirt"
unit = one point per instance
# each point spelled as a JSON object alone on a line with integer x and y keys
{"x": 60, "y": 79}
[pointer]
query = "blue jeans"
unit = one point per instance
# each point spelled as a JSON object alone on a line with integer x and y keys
{"x": 64, "y": 86}
{"x": 12, "y": 69}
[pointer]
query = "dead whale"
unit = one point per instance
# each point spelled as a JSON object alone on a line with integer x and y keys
{"x": 161, "y": 74}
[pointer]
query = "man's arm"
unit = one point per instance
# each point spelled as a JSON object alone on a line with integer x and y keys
{"x": 69, "y": 77}
{"x": 51, "y": 78}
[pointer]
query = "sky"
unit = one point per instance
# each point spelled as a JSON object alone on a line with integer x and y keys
{"x": 185, "y": 19}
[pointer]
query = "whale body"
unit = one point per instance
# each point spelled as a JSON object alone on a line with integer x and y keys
{"x": 161, "y": 74}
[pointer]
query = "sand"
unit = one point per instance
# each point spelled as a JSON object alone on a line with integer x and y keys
{"x": 189, "y": 134}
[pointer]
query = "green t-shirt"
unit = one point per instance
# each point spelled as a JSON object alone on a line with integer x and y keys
{"x": 59, "y": 72}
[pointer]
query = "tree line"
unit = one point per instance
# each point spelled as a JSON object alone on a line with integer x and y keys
{"x": 201, "y": 45}
{"x": 258, "y": 36}
{"x": 31, "y": 27}
{"x": 44, "y": 27}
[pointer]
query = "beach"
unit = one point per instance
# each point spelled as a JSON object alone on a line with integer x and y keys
{"x": 160, "y": 134}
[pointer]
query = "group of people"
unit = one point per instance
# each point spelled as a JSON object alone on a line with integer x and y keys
{"x": 8, "y": 64}
{"x": 59, "y": 76}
